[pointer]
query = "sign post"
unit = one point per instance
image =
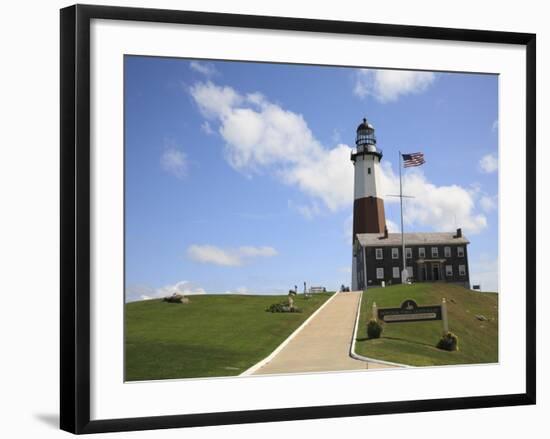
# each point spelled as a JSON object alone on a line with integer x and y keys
{"x": 444, "y": 316}
{"x": 374, "y": 311}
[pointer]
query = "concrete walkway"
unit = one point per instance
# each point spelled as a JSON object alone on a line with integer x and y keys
{"x": 323, "y": 345}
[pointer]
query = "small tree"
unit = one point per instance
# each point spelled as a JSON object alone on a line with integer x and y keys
{"x": 448, "y": 342}
{"x": 374, "y": 329}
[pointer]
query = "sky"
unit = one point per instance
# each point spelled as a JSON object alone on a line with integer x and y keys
{"x": 238, "y": 176}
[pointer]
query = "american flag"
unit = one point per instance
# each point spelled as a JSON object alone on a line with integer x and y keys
{"x": 413, "y": 159}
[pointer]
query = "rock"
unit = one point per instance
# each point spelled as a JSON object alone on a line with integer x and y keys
{"x": 481, "y": 318}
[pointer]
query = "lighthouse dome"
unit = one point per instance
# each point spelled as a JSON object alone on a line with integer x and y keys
{"x": 365, "y": 125}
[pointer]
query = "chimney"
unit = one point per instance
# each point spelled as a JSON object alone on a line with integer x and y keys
{"x": 385, "y": 232}
{"x": 458, "y": 233}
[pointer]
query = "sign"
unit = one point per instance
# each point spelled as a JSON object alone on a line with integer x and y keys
{"x": 410, "y": 312}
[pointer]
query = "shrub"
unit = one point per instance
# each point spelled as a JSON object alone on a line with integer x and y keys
{"x": 176, "y": 298}
{"x": 374, "y": 329}
{"x": 282, "y": 307}
{"x": 448, "y": 342}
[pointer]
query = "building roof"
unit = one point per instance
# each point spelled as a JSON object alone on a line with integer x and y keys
{"x": 394, "y": 239}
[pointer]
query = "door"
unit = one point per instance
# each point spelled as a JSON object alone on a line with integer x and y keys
{"x": 435, "y": 269}
{"x": 423, "y": 273}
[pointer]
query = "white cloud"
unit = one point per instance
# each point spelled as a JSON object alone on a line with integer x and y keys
{"x": 214, "y": 101}
{"x": 254, "y": 252}
{"x": 488, "y": 163}
{"x": 488, "y": 203}
{"x": 308, "y": 211}
{"x": 494, "y": 127}
{"x": 267, "y": 136}
{"x": 263, "y": 137}
{"x": 440, "y": 208}
{"x": 210, "y": 254}
{"x": 388, "y": 85}
{"x": 174, "y": 161}
{"x": 144, "y": 292}
{"x": 213, "y": 255}
{"x": 182, "y": 287}
{"x": 206, "y": 128}
{"x": 329, "y": 177}
{"x": 392, "y": 226}
{"x": 206, "y": 69}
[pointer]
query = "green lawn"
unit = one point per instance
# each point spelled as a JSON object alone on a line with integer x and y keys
{"x": 414, "y": 343}
{"x": 213, "y": 335}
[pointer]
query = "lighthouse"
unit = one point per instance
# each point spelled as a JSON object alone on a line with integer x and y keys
{"x": 368, "y": 206}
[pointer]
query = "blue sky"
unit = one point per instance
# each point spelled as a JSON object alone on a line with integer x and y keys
{"x": 238, "y": 178}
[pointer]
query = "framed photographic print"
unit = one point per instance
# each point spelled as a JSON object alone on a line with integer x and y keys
{"x": 268, "y": 218}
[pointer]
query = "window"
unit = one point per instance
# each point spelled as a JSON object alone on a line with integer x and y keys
{"x": 460, "y": 252}
{"x": 449, "y": 270}
{"x": 447, "y": 252}
{"x": 395, "y": 253}
{"x": 379, "y": 253}
{"x": 396, "y": 273}
{"x": 462, "y": 270}
{"x": 409, "y": 271}
{"x": 379, "y": 273}
{"x": 435, "y": 252}
{"x": 409, "y": 252}
{"x": 421, "y": 252}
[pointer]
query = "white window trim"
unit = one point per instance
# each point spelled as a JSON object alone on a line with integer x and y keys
{"x": 421, "y": 252}
{"x": 396, "y": 274}
{"x": 410, "y": 271}
{"x": 395, "y": 253}
{"x": 460, "y": 252}
{"x": 447, "y": 252}
{"x": 381, "y": 253}
{"x": 408, "y": 253}
{"x": 447, "y": 270}
{"x": 435, "y": 252}
{"x": 378, "y": 271}
{"x": 462, "y": 270}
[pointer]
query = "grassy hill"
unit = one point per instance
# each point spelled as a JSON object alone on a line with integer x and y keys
{"x": 414, "y": 343}
{"x": 213, "y": 335}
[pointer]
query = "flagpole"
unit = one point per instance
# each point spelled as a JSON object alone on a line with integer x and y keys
{"x": 403, "y": 276}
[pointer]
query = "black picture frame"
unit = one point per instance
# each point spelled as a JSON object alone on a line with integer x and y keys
{"x": 75, "y": 217}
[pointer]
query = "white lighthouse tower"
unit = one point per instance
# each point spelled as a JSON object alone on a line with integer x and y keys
{"x": 368, "y": 206}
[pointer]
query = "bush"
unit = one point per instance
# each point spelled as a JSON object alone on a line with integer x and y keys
{"x": 374, "y": 329}
{"x": 448, "y": 342}
{"x": 282, "y": 307}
